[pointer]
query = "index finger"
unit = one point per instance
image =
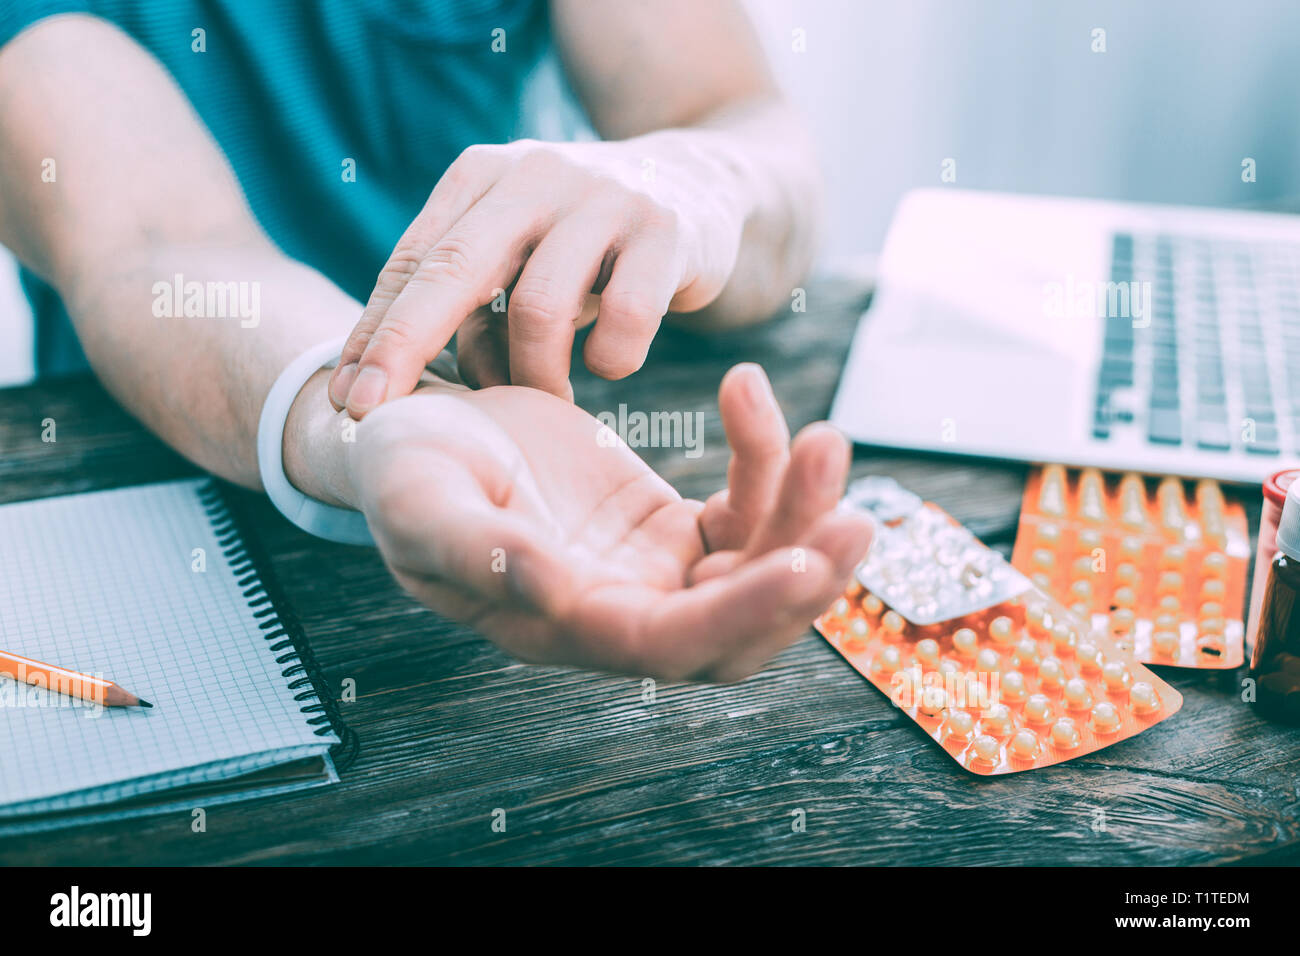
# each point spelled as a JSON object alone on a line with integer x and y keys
{"x": 461, "y": 272}
{"x": 699, "y": 631}
{"x": 760, "y": 441}
{"x": 461, "y": 186}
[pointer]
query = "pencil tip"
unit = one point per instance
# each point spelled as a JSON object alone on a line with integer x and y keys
{"x": 145, "y": 703}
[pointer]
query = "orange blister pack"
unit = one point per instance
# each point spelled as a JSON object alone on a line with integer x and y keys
{"x": 1164, "y": 574}
{"x": 1014, "y": 680}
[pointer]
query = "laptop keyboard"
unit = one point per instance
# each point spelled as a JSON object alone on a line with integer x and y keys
{"x": 1201, "y": 343}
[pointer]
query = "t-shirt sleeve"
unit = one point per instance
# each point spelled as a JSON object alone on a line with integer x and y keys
{"x": 17, "y": 15}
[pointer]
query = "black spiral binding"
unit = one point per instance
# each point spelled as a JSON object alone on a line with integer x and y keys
{"x": 277, "y": 621}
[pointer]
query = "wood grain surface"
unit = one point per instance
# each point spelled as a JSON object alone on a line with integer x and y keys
{"x": 588, "y": 772}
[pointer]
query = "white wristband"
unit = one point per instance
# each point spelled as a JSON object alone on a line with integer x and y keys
{"x": 315, "y": 517}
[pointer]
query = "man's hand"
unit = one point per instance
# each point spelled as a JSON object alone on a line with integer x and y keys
{"x": 704, "y": 199}
{"x": 503, "y": 509}
{"x": 650, "y": 224}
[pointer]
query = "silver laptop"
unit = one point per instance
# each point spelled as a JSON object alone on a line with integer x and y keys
{"x": 1160, "y": 339}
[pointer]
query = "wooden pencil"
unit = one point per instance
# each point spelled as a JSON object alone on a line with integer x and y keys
{"x": 73, "y": 684}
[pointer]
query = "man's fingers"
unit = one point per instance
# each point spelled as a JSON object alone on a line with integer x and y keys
{"x": 482, "y": 350}
{"x": 812, "y": 485}
{"x": 764, "y": 603}
{"x": 632, "y": 305}
{"x": 477, "y": 257}
{"x": 663, "y": 544}
{"x": 759, "y": 440}
{"x": 680, "y": 634}
{"x": 547, "y": 301}
{"x": 742, "y": 657}
{"x": 773, "y": 496}
{"x": 844, "y": 537}
{"x": 715, "y": 564}
{"x": 461, "y": 186}
{"x": 720, "y": 527}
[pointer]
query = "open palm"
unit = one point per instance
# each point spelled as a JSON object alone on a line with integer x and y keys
{"x": 507, "y": 509}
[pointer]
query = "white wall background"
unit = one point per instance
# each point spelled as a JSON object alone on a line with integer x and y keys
{"x": 1012, "y": 91}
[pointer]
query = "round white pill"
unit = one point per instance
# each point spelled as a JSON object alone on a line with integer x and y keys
{"x": 1026, "y": 652}
{"x": 1051, "y": 672}
{"x": 1105, "y": 718}
{"x": 996, "y": 720}
{"x": 1013, "y": 686}
{"x": 1165, "y": 643}
{"x": 1002, "y": 629}
{"x": 1115, "y": 674}
{"x": 986, "y": 749}
{"x": 1065, "y": 734}
{"x": 890, "y": 659}
{"x": 1038, "y": 708}
{"x": 959, "y": 724}
{"x": 927, "y": 649}
{"x": 1077, "y": 695}
{"x": 1024, "y": 744}
{"x": 1143, "y": 697}
{"x": 933, "y": 701}
{"x": 1122, "y": 620}
{"x": 1064, "y": 636}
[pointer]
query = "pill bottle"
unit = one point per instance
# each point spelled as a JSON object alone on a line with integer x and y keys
{"x": 1275, "y": 491}
{"x": 1279, "y": 612}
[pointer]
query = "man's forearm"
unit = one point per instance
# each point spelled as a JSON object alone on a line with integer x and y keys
{"x": 198, "y": 380}
{"x": 184, "y": 307}
{"x": 697, "y": 72}
{"x": 762, "y": 151}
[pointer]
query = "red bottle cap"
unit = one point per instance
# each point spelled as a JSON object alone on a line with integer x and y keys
{"x": 1275, "y": 487}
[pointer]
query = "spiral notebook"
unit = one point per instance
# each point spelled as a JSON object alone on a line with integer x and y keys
{"x": 158, "y": 589}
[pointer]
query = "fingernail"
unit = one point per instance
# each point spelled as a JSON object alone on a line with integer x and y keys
{"x": 342, "y": 383}
{"x": 369, "y": 389}
{"x": 830, "y": 470}
{"x": 751, "y": 385}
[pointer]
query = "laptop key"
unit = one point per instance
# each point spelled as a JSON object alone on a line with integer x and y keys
{"x": 1219, "y": 347}
{"x": 1264, "y": 441}
{"x": 1165, "y": 426}
{"x": 1213, "y": 436}
{"x": 1165, "y": 399}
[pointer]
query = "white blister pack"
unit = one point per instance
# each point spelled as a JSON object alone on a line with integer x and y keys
{"x": 923, "y": 564}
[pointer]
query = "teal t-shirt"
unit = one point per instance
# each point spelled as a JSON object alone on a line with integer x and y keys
{"x": 338, "y": 116}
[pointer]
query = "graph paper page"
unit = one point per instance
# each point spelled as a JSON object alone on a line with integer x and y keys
{"x": 114, "y": 584}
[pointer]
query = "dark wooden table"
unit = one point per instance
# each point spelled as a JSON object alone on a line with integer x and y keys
{"x": 587, "y": 772}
